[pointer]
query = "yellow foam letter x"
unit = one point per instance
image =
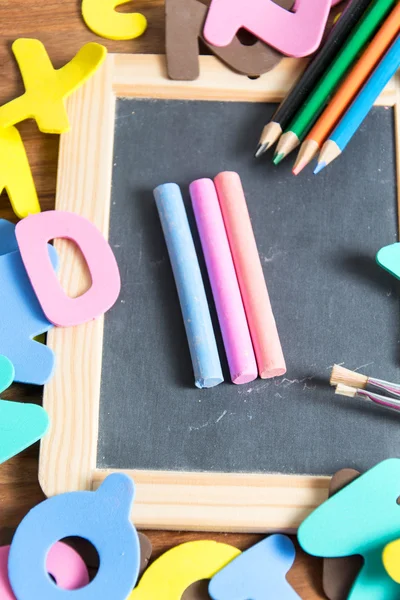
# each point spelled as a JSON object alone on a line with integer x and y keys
{"x": 15, "y": 174}
{"x": 46, "y": 87}
{"x": 44, "y": 98}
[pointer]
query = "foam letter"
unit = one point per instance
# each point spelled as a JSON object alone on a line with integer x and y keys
{"x": 258, "y": 573}
{"x": 296, "y": 33}
{"x": 103, "y": 518}
{"x": 389, "y": 259}
{"x": 102, "y": 18}
{"x": 21, "y": 425}
{"x": 170, "y": 575}
{"x": 339, "y": 574}
{"x": 184, "y": 26}
{"x": 391, "y": 560}
{"x": 63, "y": 563}
{"x": 349, "y": 523}
{"x": 8, "y": 241}
{"x": 47, "y": 88}
{"x": 34, "y": 232}
{"x": 15, "y": 174}
{"x": 33, "y": 362}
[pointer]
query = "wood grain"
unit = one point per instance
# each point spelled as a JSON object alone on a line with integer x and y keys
{"x": 79, "y": 349}
{"x": 59, "y": 26}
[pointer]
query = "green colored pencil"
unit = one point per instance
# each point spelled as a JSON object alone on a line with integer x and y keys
{"x": 318, "y": 99}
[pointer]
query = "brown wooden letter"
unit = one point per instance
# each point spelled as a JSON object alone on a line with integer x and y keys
{"x": 184, "y": 27}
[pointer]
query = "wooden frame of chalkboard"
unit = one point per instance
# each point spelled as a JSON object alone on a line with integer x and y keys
{"x": 68, "y": 458}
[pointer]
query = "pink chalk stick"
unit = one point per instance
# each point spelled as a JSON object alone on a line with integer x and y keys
{"x": 63, "y": 563}
{"x": 297, "y": 33}
{"x": 267, "y": 346}
{"x": 224, "y": 283}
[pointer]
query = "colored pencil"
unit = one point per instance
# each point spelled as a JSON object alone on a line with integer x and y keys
{"x": 348, "y": 90}
{"x": 318, "y": 99}
{"x": 224, "y": 283}
{"x": 361, "y": 106}
{"x": 249, "y": 271}
{"x": 315, "y": 69}
{"x": 189, "y": 283}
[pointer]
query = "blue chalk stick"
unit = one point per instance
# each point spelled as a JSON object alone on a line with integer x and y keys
{"x": 189, "y": 282}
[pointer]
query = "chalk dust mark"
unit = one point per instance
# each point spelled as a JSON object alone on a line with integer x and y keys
{"x": 221, "y": 416}
{"x": 363, "y": 366}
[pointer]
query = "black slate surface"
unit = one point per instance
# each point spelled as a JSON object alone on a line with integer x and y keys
{"x": 317, "y": 237}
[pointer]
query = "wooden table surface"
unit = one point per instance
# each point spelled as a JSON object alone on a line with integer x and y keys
{"x": 58, "y": 24}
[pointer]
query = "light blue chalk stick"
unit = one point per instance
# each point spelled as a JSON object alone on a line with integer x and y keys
{"x": 22, "y": 319}
{"x": 389, "y": 259}
{"x": 189, "y": 283}
{"x": 8, "y": 241}
{"x": 259, "y": 573}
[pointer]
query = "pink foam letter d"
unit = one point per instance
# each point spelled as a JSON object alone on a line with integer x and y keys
{"x": 297, "y": 33}
{"x": 34, "y": 232}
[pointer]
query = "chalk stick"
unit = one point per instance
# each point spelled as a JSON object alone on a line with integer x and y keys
{"x": 264, "y": 333}
{"x": 189, "y": 283}
{"x": 224, "y": 283}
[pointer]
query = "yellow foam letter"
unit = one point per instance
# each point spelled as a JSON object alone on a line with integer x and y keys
{"x": 15, "y": 174}
{"x": 102, "y": 18}
{"x": 391, "y": 560}
{"x": 47, "y": 88}
{"x": 170, "y": 575}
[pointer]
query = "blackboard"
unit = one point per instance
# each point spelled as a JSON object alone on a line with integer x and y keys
{"x": 317, "y": 237}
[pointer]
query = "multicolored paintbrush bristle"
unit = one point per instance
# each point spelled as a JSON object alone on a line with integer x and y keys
{"x": 341, "y": 375}
{"x": 349, "y": 378}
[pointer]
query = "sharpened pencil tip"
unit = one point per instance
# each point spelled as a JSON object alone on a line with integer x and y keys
{"x": 298, "y": 168}
{"x": 261, "y": 148}
{"x": 278, "y": 158}
{"x": 319, "y": 167}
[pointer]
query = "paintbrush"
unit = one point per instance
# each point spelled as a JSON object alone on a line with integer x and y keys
{"x": 383, "y": 401}
{"x": 340, "y": 375}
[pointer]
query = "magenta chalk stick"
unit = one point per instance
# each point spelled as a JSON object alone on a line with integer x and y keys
{"x": 263, "y": 330}
{"x": 224, "y": 283}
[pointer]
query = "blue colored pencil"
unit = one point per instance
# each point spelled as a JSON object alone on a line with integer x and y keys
{"x": 361, "y": 106}
{"x": 189, "y": 283}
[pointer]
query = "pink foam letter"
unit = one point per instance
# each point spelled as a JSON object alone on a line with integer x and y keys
{"x": 63, "y": 563}
{"x": 34, "y": 232}
{"x": 296, "y": 33}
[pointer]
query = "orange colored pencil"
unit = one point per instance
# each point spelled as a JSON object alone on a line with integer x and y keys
{"x": 348, "y": 90}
